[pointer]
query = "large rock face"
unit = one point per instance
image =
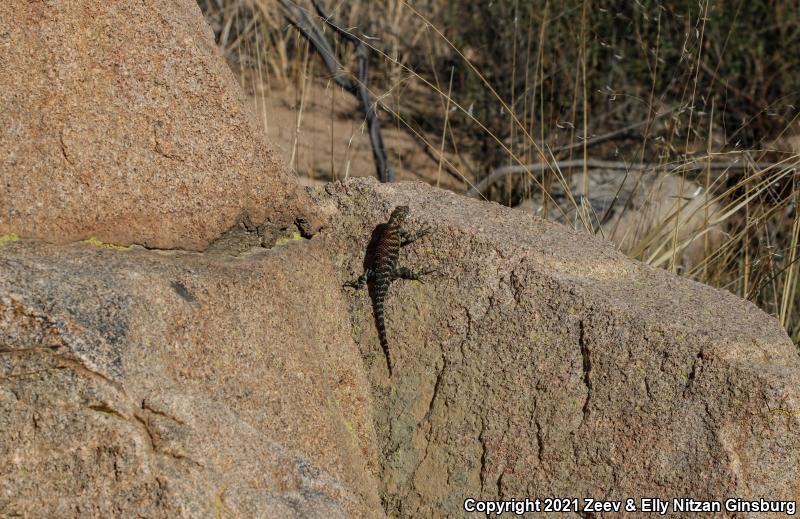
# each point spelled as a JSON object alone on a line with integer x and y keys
{"x": 536, "y": 362}
{"x": 539, "y": 362}
{"x": 143, "y": 384}
{"x": 120, "y": 121}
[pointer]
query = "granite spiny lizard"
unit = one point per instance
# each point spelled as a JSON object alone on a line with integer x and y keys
{"x": 381, "y": 268}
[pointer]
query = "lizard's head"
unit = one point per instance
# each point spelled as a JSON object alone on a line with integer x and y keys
{"x": 399, "y": 214}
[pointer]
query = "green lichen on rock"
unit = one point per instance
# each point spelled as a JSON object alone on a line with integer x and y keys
{"x": 97, "y": 243}
{"x": 6, "y": 238}
{"x": 220, "y": 508}
{"x": 283, "y": 240}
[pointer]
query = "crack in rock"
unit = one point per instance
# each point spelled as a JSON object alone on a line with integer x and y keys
{"x": 587, "y": 369}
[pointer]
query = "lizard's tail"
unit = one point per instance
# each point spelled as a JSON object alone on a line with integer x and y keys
{"x": 380, "y": 324}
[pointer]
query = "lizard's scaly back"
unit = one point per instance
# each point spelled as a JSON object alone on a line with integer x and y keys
{"x": 387, "y": 253}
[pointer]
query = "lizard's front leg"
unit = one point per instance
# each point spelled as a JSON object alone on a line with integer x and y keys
{"x": 359, "y": 283}
{"x": 407, "y": 238}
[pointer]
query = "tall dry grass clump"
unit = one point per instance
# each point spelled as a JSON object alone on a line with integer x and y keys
{"x": 672, "y": 128}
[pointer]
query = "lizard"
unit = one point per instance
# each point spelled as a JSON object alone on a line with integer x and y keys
{"x": 381, "y": 268}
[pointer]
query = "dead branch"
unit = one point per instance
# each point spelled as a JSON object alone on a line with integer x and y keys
{"x": 298, "y": 17}
{"x": 616, "y": 133}
{"x": 506, "y": 171}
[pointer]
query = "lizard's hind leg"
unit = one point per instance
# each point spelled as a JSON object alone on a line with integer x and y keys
{"x": 359, "y": 283}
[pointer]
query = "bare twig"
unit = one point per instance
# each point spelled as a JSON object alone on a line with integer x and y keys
{"x": 299, "y": 18}
{"x": 616, "y": 133}
{"x": 506, "y": 171}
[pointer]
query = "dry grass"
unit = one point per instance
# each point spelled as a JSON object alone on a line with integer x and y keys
{"x": 512, "y": 83}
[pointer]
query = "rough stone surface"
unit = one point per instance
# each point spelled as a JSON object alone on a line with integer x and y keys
{"x": 136, "y": 383}
{"x": 541, "y": 362}
{"x": 536, "y": 362}
{"x": 120, "y": 121}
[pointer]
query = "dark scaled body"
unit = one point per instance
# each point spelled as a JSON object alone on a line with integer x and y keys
{"x": 387, "y": 254}
{"x": 382, "y": 268}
